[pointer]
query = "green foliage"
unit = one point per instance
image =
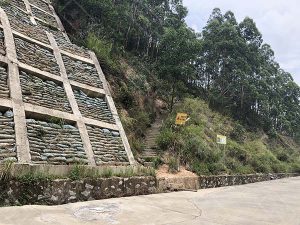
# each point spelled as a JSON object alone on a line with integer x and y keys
{"x": 31, "y": 177}
{"x": 239, "y": 76}
{"x": 245, "y": 152}
{"x": 166, "y": 139}
{"x": 5, "y": 172}
{"x": 238, "y": 152}
{"x": 77, "y": 172}
{"x": 157, "y": 161}
{"x": 125, "y": 97}
{"x": 238, "y": 133}
{"x": 61, "y": 122}
{"x": 295, "y": 168}
{"x": 103, "y": 50}
{"x": 173, "y": 164}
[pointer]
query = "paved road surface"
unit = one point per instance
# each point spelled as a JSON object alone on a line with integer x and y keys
{"x": 267, "y": 203}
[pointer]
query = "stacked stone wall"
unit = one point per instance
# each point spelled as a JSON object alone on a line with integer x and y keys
{"x": 93, "y": 107}
{"x": 20, "y": 22}
{"x": 56, "y": 192}
{"x": 4, "y": 90}
{"x": 59, "y": 192}
{"x": 53, "y": 143}
{"x": 107, "y": 146}
{"x": 44, "y": 92}
{"x": 7, "y": 137}
{"x": 82, "y": 72}
{"x": 36, "y": 56}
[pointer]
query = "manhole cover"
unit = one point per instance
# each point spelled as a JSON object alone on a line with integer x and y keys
{"x": 106, "y": 212}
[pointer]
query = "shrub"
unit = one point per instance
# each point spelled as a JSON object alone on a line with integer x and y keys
{"x": 237, "y": 151}
{"x": 283, "y": 156}
{"x": 166, "y": 139}
{"x": 200, "y": 168}
{"x": 295, "y": 168}
{"x": 279, "y": 167}
{"x": 216, "y": 168}
{"x": 125, "y": 97}
{"x": 77, "y": 172}
{"x": 157, "y": 161}
{"x": 232, "y": 164}
{"x": 173, "y": 164}
{"x": 238, "y": 133}
{"x": 103, "y": 50}
{"x": 262, "y": 163}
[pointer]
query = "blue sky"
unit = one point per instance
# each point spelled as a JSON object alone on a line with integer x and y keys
{"x": 277, "y": 20}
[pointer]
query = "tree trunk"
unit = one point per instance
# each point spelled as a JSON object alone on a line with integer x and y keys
{"x": 172, "y": 97}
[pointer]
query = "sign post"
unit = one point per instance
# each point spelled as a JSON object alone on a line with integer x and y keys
{"x": 222, "y": 140}
{"x": 180, "y": 121}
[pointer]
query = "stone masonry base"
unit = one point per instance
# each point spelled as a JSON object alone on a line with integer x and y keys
{"x": 63, "y": 191}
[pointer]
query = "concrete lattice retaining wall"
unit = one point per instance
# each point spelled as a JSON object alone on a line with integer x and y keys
{"x": 44, "y": 16}
{"x": 44, "y": 79}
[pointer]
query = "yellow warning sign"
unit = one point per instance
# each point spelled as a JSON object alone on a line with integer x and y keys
{"x": 222, "y": 140}
{"x": 181, "y": 118}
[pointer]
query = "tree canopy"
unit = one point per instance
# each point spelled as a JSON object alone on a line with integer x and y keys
{"x": 227, "y": 64}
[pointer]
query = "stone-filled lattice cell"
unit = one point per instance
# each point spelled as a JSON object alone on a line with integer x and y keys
{"x": 20, "y": 22}
{"x": 55, "y": 107}
{"x": 44, "y": 16}
{"x": 36, "y": 56}
{"x": 82, "y": 72}
{"x": 44, "y": 92}
{"x": 107, "y": 146}
{"x": 41, "y": 4}
{"x": 19, "y": 4}
{"x": 93, "y": 107}
{"x": 55, "y": 143}
{"x": 7, "y": 137}
{"x": 4, "y": 91}
{"x": 69, "y": 47}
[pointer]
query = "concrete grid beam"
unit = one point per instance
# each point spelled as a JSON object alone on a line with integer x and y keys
{"x": 72, "y": 100}
{"x": 22, "y": 142}
{"x": 113, "y": 109}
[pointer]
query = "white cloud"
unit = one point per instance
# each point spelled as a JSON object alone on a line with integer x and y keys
{"x": 277, "y": 20}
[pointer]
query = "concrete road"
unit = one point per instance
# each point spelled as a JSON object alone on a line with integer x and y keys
{"x": 267, "y": 203}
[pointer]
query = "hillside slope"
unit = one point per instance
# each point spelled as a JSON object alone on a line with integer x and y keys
{"x": 247, "y": 151}
{"x": 150, "y": 55}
